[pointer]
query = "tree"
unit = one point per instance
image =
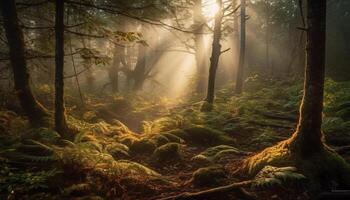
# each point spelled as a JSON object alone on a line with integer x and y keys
{"x": 139, "y": 73}
{"x": 267, "y": 34}
{"x": 60, "y": 117}
{"x": 199, "y": 23}
{"x": 240, "y": 71}
{"x": 216, "y": 51}
{"x": 113, "y": 71}
{"x": 305, "y": 149}
{"x": 33, "y": 109}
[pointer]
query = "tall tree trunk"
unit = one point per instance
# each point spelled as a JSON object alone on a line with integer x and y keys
{"x": 60, "y": 117}
{"x": 235, "y": 37}
{"x": 216, "y": 51}
{"x": 127, "y": 67}
{"x": 114, "y": 69}
{"x": 32, "y": 108}
{"x": 139, "y": 72}
{"x": 308, "y": 135}
{"x": 267, "y": 36}
{"x": 199, "y": 23}
{"x": 89, "y": 75}
{"x": 240, "y": 71}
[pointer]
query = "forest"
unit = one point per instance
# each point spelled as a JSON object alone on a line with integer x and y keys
{"x": 175, "y": 99}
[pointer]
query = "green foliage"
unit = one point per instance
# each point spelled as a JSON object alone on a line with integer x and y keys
{"x": 214, "y": 154}
{"x": 118, "y": 150}
{"x": 271, "y": 176}
{"x": 45, "y": 135}
{"x": 92, "y": 56}
{"x": 76, "y": 189}
{"x": 167, "y": 153}
{"x": 24, "y": 182}
{"x": 204, "y": 136}
{"x": 143, "y": 146}
{"x": 208, "y": 176}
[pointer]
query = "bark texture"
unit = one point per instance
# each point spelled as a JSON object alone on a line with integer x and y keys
{"x": 60, "y": 117}
{"x": 32, "y": 108}
{"x": 216, "y": 51}
{"x": 308, "y": 137}
{"x": 240, "y": 71}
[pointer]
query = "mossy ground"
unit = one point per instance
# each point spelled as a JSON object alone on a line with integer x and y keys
{"x": 111, "y": 154}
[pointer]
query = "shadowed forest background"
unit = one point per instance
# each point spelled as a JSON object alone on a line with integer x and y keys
{"x": 174, "y": 99}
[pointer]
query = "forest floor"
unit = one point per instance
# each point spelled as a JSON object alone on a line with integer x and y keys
{"x": 142, "y": 147}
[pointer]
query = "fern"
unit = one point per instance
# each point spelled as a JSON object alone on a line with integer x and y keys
{"x": 36, "y": 159}
{"x": 271, "y": 176}
{"x": 76, "y": 188}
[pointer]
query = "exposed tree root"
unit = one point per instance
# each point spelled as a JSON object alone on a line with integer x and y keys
{"x": 216, "y": 192}
{"x": 343, "y": 149}
{"x": 323, "y": 168}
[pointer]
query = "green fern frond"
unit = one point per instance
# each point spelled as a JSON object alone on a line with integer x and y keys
{"x": 47, "y": 147}
{"x": 69, "y": 143}
{"x": 271, "y": 176}
{"x": 82, "y": 187}
{"x": 36, "y": 159}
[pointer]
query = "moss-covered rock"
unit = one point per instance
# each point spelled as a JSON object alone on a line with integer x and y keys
{"x": 144, "y": 146}
{"x": 208, "y": 176}
{"x": 215, "y": 154}
{"x": 172, "y": 137}
{"x": 159, "y": 140}
{"x": 203, "y": 136}
{"x": 167, "y": 153}
{"x": 128, "y": 139}
{"x": 118, "y": 150}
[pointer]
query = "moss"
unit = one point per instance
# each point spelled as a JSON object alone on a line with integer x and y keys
{"x": 45, "y": 135}
{"x": 278, "y": 156}
{"x": 206, "y": 107}
{"x": 143, "y": 146}
{"x": 326, "y": 170}
{"x": 134, "y": 168}
{"x": 172, "y": 137}
{"x": 159, "y": 140}
{"x": 118, "y": 151}
{"x": 214, "y": 154}
{"x": 167, "y": 153}
{"x": 323, "y": 168}
{"x": 128, "y": 140}
{"x": 208, "y": 176}
{"x": 204, "y": 136}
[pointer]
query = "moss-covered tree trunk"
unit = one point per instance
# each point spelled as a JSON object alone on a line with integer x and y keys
{"x": 32, "y": 108}
{"x": 60, "y": 117}
{"x": 305, "y": 149}
{"x": 308, "y": 136}
{"x": 216, "y": 51}
{"x": 240, "y": 70}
